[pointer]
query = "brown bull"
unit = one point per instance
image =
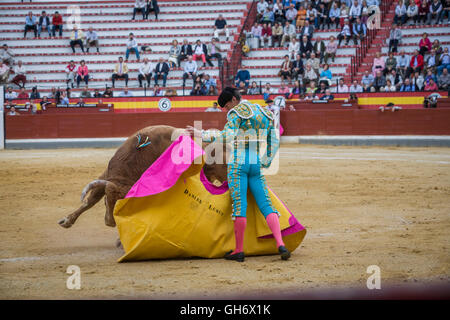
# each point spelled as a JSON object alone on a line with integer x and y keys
{"x": 126, "y": 167}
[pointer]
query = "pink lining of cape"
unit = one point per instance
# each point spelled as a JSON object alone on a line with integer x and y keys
{"x": 164, "y": 173}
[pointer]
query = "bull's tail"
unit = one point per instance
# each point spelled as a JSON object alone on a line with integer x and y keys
{"x": 93, "y": 185}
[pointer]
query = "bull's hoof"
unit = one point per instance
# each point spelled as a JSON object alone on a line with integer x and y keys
{"x": 65, "y": 223}
{"x": 119, "y": 244}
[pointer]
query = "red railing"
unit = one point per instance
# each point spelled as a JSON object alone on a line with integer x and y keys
{"x": 234, "y": 58}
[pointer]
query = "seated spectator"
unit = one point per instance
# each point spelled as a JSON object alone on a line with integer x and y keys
{"x": 355, "y": 87}
{"x": 242, "y": 75}
{"x": 209, "y": 82}
{"x": 12, "y": 112}
{"x": 152, "y": 6}
{"x": 108, "y": 93}
{"x": 266, "y": 35}
{"x": 91, "y": 39}
{"x": 431, "y": 86}
{"x": 157, "y": 91}
{"x": 423, "y": 12}
{"x": 310, "y": 75}
{"x": 288, "y": 32}
{"x": 413, "y": 12}
{"x": 291, "y": 14}
{"x": 311, "y": 14}
{"x": 64, "y": 99}
{"x": 307, "y": 30}
{"x": 341, "y": 87}
{"x": 333, "y": 16}
{"x": 326, "y": 75}
{"x": 255, "y": 32}
{"x": 389, "y": 86}
{"x": 35, "y": 93}
{"x": 418, "y": 81}
{"x": 132, "y": 46}
{"x": 77, "y": 37}
{"x": 6, "y": 55}
{"x": 310, "y": 96}
{"x": 161, "y": 70}
{"x": 97, "y": 94}
{"x": 186, "y": 50}
{"x": 126, "y": 93}
{"x": 390, "y": 64}
{"x": 322, "y": 16}
{"x": 260, "y": 9}
{"x": 267, "y": 91}
{"x": 200, "y": 52}
{"x": 10, "y": 94}
{"x": 55, "y": 94}
{"x": 242, "y": 89}
{"x": 82, "y": 73}
{"x": 359, "y": 31}
{"x": 322, "y": 87}
{"x": 220, "y": 27}
{"x": 424, "y": 44}
{"x": 400, "y": 13}
{"x": 285, "y": 71}
{"x": 379, "y": 81}
{"x": 254, "y": 89}
{"x": 120, "y": 72}
{"x": 174, "y": 53}
{"x": 415, "y": 64}
{"x": 301, "y": 16}
{"x": 319, "y": 48}
{"x": 214, "y": 108}
{"x": 297, "y": 67}
{"x": 213, "y": 51}
{"x": 444, "y": 80}
{"x": 402, "y": 63}
{"x": 365, "y": 12}
{"x": 345, "y": 34}
{"x": 445, "y": 11}
{"x": 395, "y": 79}
{"x": 330, "y": 50}
{"x": 434, "y": 11}
{"x": 268, "y": 17}
{"x": 431, "y": 62}
{"x": 57, "y": 23}
{"x": 171, "y": 92}
{"x": 22, "y": 94}
{"x": 355, "y": 11}
{"x": 394, "y": 38}
{"x": 314, "y": 62}
{"x": 278, "y": 13}
{"x": 139, "y": 6}
{"x": 327, "y": 96}
{"x": 444, "y": 61}
{"x": 20, "y": 75}
{"x": 378, "y": 63}
{"x": 4, "y": 73}
{"x": 436, "y": 46}
{"x": 306, "y": 48}
{"x": 407, "y": 86}
{"x": 430, "y": 75}
{"x": 85, "y": 93}
{"x": 298, "y": 88}
{"x": 284, "y": 90}
{"x": 344, "y": 14}
{"x": 44, "y": 24}
{"x": 145, "y": 72}
{"x": 277, "y": 34}
{"x": 212, "y": 91}
{"x": 190, "y": 69}
{"x": 30, "y": 24}
{"x": 71, "y": 72}
{"x": 44, "y": 103}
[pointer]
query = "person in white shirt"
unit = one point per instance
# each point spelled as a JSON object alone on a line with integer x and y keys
{"x": 400, "y": 13}
{"x": 389, "y": 86}
{"x": 345, "y": 34}
{"x": 20, "y": 75}
{"x": 355, "y": 11}
{"x": 132, "y": 46}
{"x": 260, "y": 9}
{"x": 6, "y": 55}
{"x": 341, "y": 87}
{"x": 13, "y": 112}
{"x": 91, "y": 39}
{"x": 288, "y": 33}
{"x": 140, "y": 6}
{"x": 294, "y": 48}
{"x": 355, "y": 87}
{"x": 10, "y": 94}
{"x": 190, "y": 69}
{"x": 200, "y": 51}
{"x": 71, "y": 73}
{"x": 125, "y": 93}
{"x": 4, "y": 72}
{"x": 145, "y": 72}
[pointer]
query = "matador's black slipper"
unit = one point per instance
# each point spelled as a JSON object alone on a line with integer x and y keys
{"x": 285, "y": 254}
{"x": 240, "y": 256}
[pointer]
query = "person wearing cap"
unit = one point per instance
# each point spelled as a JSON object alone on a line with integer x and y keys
{"x": 248, "y": 127}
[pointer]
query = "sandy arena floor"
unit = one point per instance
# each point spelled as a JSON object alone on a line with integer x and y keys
{"x": 362, "y": 206}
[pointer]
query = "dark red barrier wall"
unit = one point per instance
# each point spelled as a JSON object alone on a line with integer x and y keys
{"x": 303, "y": 122}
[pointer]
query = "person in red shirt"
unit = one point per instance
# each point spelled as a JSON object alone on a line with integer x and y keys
{"x": 266, "y": 35}
{"x": 57, "y": 23}
{"x": 22, "y": 94}
{"x": 431, "y": 86}
{"x": 423, "y": 11}
{"x": 416, "y": 64}
{"x": 424, "y": 44}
